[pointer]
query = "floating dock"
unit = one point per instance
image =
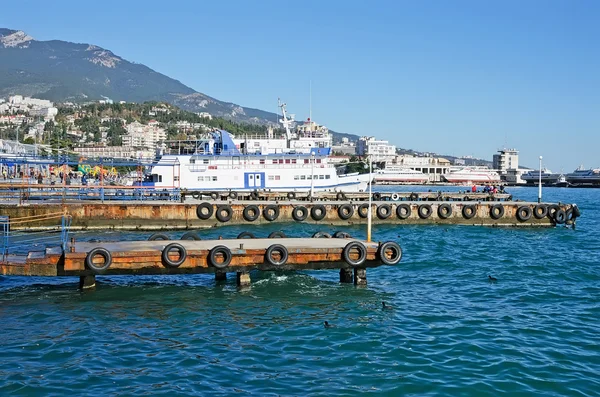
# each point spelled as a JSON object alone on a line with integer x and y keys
{"x": 89, "y": 259}
{"x": 197, "y": 214}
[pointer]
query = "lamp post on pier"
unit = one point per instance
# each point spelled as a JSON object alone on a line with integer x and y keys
{"x": 540, "y": 183}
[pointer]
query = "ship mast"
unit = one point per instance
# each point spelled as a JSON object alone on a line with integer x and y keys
{"x": 286, "y": 122}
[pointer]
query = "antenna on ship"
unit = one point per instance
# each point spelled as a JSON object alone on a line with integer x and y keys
{"x": 310, "y": 101}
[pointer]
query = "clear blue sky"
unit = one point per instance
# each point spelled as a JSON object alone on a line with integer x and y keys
{"x": 459, "y": 77}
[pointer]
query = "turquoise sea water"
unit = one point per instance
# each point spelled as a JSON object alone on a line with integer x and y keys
{"x": 536, "y": 331}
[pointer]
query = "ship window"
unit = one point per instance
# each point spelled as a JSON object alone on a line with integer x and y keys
{"x": 302, "y": 177}
{"x": 271, "y": 177}
{"x": 309, "y": 177}
{"x": 192, "y": 161}
{"x": 275, "y": 161}
{"x": 256, "y": 144}
{"x": 318, "y": 161}
{"x": 321, "y": 176}
{"x": 296, "y": 177}
{"x": 327, "y": 176}
{"x": 305, "y": 161}
{"x": 287, "y": 161}
{"x": 205, "y": 161}
{"x": 262, "y": 161}
{"x": 176, "y": 178}
{"x": 277, "y": 177}
{"x": 293, "y": 161}
{"x": 214, "y": 178}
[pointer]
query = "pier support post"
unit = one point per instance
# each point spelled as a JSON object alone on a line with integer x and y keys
{"x": 243, "y": 279}
{"x": 86, "y": 282}
{"x": 360, "y": 276}
{"x": 220, "y": 276}
{"x": 345, "y": 275}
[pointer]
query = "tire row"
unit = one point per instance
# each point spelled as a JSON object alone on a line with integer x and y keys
{"x": 173, "y": 255}
{"x": 317, "y": 212}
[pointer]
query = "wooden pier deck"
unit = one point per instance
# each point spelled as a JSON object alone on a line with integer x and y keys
{"x": 88, "y": 259}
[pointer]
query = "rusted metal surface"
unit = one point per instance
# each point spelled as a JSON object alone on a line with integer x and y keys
{"x": 146, "y": 257}
{"x": 134, "y": 215}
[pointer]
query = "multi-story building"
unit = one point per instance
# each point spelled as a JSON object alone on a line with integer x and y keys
{"x": 435, "y": 167}
{"x": 379, "y": 149}
{"x": 115, "y": 152}
{"x": 506, "y": 159}
{"x": 143, "y": 136}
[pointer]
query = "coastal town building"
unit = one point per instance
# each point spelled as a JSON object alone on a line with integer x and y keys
{"x": 435, "y": 167}
{"x": 506, "y": 162}
{"x": 143, "y": 136}
{"x": 380, "y": 150}
{"x": 114, "y": 152}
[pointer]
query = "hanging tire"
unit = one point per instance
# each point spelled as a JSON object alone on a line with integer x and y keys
{"x": 345, "y": 211}
{"x": 254, "y": 195}
{"x": 214, "y": 195}
{"x": 233, "y": 195}
{"x": 390, "y": 253}
{"x": 395, "y": 196}
{"x": 158, "y": 236}
{"x": 196, "y": 195}
{"x": 347, "y": 254}
{"x": 219, "y": 257}
{"x": 190, "y": 236}
{"x": 340, "y": 196}
{"x": 576, "y": 211}
{"x": 560, "y": 216}
{"x": 291, "y": 195}
{"x": 224, "y": 213}
{"x": 469, "y": 211}
{"x": 444, "y": 211}
{"x": 524, "y": 213}
{"x": 271, "y": 212}
{"x": 95, "y": 267}
{"x": 496, "y": 211}
{"x": 167, "y": 261}
{"x": 278, "y": 234}
{"x": 569, "y": 215}
{"x": 403, "y": 211}
{"x": 280, "y": 251}
{"x": 540, "y": 211}
{"x": 341, "y": 234}
{"x": 363, "y": 210}
{"x": 246, "y": 235}
{"x": 321, "y": 235}
{"x": 299, "y": 213}
{"x": 384, "y": 211}
{"x": 424, "y": 211}
{"x": 204, "y": 211}
{"x": 251, "y": 213}
{"x": 318, "y": 212}
{"x": 552, "y": 210}
{"x": 376, "y": 196}
{"x": 414, "y": 197}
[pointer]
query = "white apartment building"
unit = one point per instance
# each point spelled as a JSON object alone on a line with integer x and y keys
{"x": 506, "y": 159}
{"x": 115, "y": 152}
{"x": 379, "y": 149}
{"x": 143, "y": 136}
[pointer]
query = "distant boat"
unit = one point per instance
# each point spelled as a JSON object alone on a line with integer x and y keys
{"x": 561, "y": 182}
{"x": 533, "y": 177}
{"x": 471, "y": 174}
{"x": 583, "y": 176}
{"x": 394, "y": 174}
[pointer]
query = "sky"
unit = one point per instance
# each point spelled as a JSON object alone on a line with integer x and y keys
{"x": 457, "y": 77}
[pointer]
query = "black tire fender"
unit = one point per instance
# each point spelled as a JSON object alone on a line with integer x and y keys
{"x": 396, "y": 255}
{"x": 321, "y": 235}
{"x": 318, "y": 212}
{"x": 190, "y": 236}
{"x": 251, "y": 213}
{"x": 224, "y": 213}
{"x": 496, "y": 211}
{"x": 158, "y": 236}
{"x": 233, "y": 195}
{"x": 219, "y": 250}
{"x": 291, "y": 195}
{"x": 196, "y": 195}
{"x": 271, "y": 212}
{"x": 340, "y": 196}
{"x": 341, "y": 234}
{"x": 424, "y": 211}
{"x": 277, "y": 234}
{"x": 469, "y": 211}
{"x": 214, "y": 195}
{"x": 283, "y": 254}
{"x": 384, "y": 211}
{"x": 363, "y": 210}
{"x": 299, "y": 213}
{"x": 345, "y": 211}
{"x": 104, "y": 253}
{"x": 347, "y": 252}
{"x": 560, "y": 216}
{"x": 167, "y": 261}
{"x": 444, "y": 211}
{"x": 524, "y": 213}
{"x": 376, "y": 196}
{"x": 246, "y": 235}
{"x": 204, "y": 211}
{"x": 540, "y": 211}
{"x": 403, "y": 211}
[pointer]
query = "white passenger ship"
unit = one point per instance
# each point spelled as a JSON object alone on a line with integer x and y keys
{"x": 394, "y": 174}
{"x": 471, "y": 174}
{"x": 296, "y": 161}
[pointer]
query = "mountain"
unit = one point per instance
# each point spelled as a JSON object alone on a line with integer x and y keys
{"x": 62, "y": 71}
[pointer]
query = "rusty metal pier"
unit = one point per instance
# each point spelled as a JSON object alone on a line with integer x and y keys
{"x": 89, "y": 259}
